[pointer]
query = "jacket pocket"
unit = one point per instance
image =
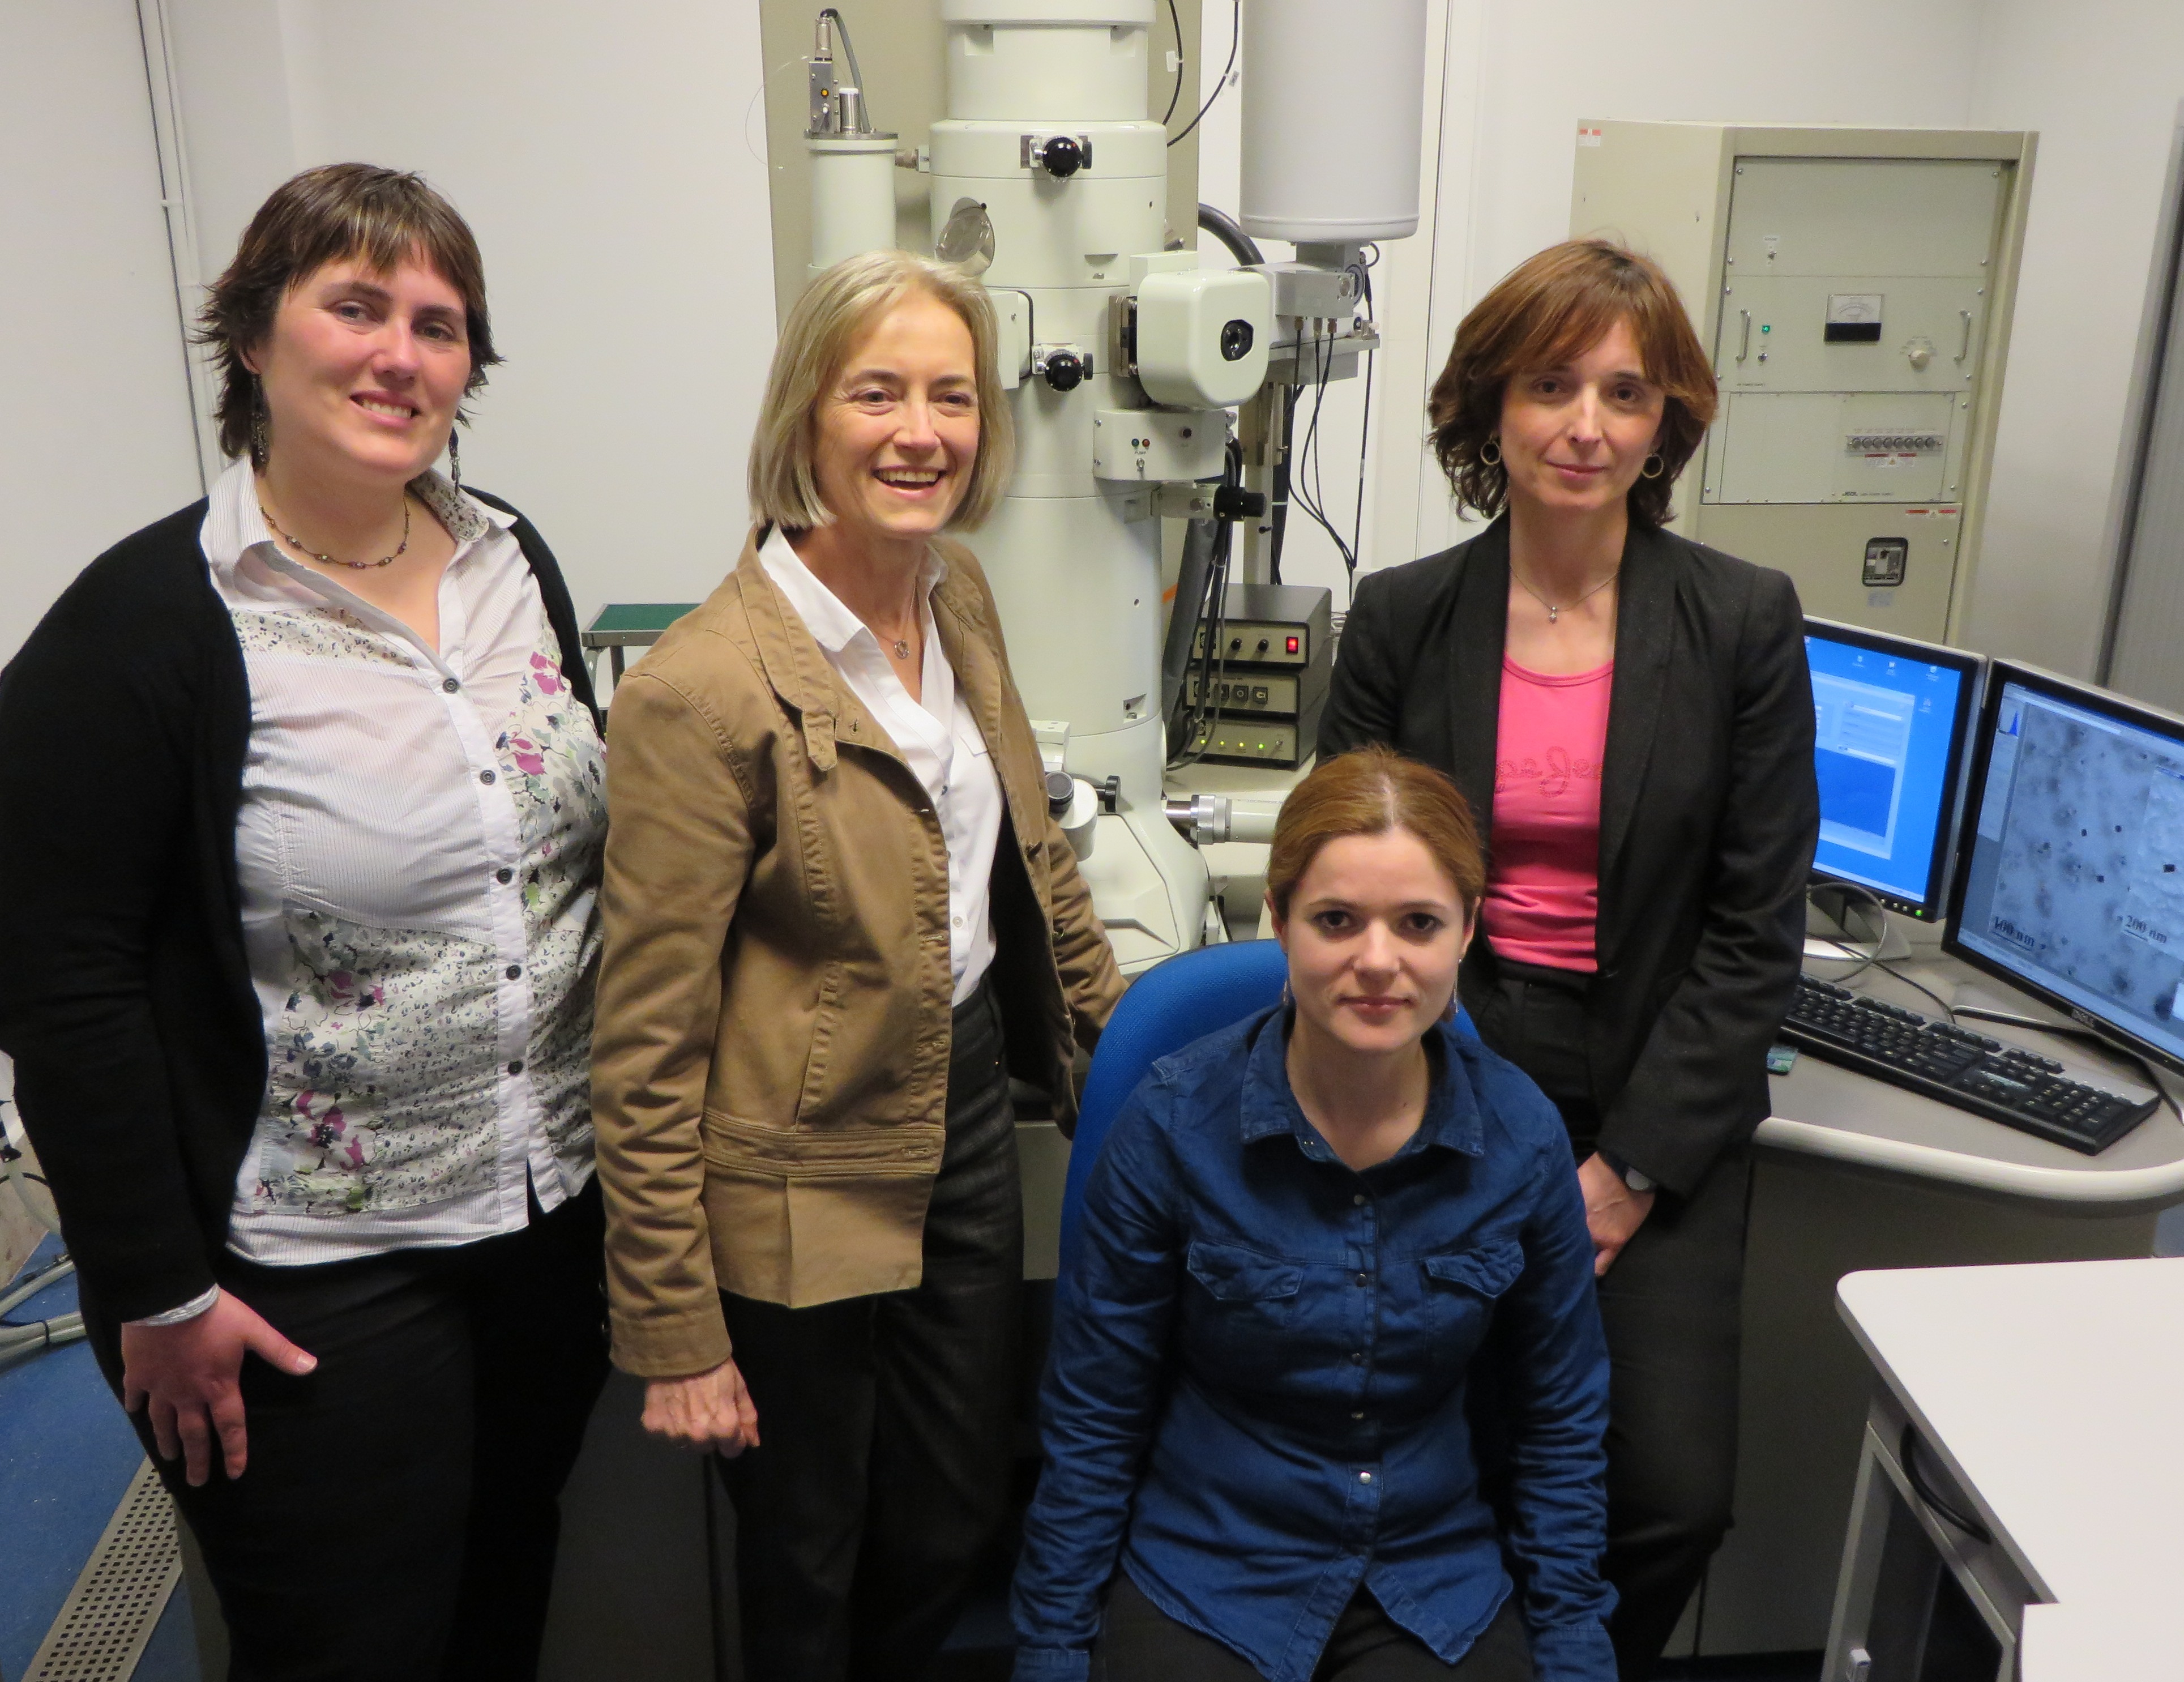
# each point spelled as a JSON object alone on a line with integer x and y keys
{"x": 1484, "y": 1272}
{"x": 826, "y": 1018}
{"x": 1462, "y": 1288}
{"x": 1244, "y": 1280}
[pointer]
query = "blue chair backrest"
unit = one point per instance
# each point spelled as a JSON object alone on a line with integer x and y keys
{"x": 1171, "y": 1004}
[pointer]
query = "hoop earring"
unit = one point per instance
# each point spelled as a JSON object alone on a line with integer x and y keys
{"x": 1493, "y": 460}
{"x": 1655, "y": 467}
{"x": 455, "y": 459}
{"x": 259, "y": 445}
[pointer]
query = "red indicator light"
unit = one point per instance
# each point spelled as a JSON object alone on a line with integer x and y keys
{"x": 1294, "y": 644}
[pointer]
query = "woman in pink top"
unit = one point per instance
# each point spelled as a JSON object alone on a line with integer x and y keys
{"x": 1630, "y": 714}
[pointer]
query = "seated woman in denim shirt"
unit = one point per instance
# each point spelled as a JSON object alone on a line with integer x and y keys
{"x": 1327, "y": 1254}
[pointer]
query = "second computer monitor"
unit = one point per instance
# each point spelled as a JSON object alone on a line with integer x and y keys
{"x": 1892, "y": 716}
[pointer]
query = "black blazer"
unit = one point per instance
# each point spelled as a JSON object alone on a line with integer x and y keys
{"x": 1709, "y": 811}
{"x": 126, "y": 998}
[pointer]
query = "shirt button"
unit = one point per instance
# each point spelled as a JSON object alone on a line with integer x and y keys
{"x": 516, "y": 969}
{"x": 516, "y": 1067}
{"x": 1356, "y": 1357}
{"x": 1358, "y": 1199}
{"x": 450, "y": 686}
{"x": 1364, "y": 1477}
{"x": 1359, "y": 1414}
{"x": 1364, "y": 1278}
{"x": 487, "y": 776}
{"x": 503, "y": 874}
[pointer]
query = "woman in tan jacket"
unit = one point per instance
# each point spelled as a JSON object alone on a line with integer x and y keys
{"x": 837, "y": 917}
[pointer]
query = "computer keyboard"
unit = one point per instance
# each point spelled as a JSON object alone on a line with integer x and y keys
{"x": 2005, "y": 1084}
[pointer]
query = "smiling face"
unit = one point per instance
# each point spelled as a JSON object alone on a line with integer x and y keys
{"x": 1374, "y": 934}
{"x": 1574, "y": 438}
{"x": 362, "y": 371}
{"x": 898, "y": 432}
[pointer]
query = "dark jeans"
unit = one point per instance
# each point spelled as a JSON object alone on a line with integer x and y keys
{"x": 882, "y": 1474}
{"x": 1140, "y": 1643}
{"x": 1670, "y": 1305}
{"x": 398, "y": 1517}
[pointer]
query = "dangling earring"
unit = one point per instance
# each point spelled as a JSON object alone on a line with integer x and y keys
{"x": 1655, "y": 467}
{"x": 1289, "y": 999}
{"x": 455, "y": 459}
{"x": 259, "y": 447}
{"x": 1493, "y": 460}
{"x": 1448, "y": 1015}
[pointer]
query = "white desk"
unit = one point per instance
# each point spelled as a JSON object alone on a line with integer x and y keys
{"x": 2054, "y": 1396}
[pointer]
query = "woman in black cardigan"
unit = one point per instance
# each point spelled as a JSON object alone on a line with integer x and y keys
{"x": 1629, "y": 715}
{"x": 301, "y": 813}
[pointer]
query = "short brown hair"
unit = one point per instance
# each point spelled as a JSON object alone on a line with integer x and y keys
{"x": 840, "y": 304}
{"x": 325, "y": 215}
{"x": 1370, "y": 791}
{"x": 1546, "y": 310}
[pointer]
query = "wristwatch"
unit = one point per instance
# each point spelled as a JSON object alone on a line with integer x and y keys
{"x": 1637, "y": 1178}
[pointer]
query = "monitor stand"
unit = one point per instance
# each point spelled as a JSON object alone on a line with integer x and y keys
{"x": 1843, "y": 927}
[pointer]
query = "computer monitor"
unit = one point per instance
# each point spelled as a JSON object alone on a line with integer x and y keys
{"x": 1891, "y": 717}
{"x": 2070, "y": 879}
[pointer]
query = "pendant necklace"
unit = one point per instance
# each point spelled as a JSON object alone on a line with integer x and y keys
{"x": 1554, "y": 613}
{"x": 353, "y": 566}
{"x": 901, "y": 648}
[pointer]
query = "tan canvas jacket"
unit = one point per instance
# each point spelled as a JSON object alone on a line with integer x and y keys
{"x": 770, "y": 1066}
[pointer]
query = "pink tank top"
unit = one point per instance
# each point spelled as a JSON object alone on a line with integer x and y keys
{"x": 1543, "y": 893}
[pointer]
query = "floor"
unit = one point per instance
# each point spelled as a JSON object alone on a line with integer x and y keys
{"x": 66, "y": 1454}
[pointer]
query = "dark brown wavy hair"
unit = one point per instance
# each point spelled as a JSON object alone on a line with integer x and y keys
{"x": 321, "y": 216}
{"x": 1548, "y": 310}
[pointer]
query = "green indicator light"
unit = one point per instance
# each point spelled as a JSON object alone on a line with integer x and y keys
{"x": 1765, "y": 328}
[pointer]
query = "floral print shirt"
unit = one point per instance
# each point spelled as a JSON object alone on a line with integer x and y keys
{"x": 419, "y": 851}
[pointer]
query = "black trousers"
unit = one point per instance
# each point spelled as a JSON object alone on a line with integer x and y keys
{"x": 882, "y": 1475}
{"x": 398, "y": 1517}
{"x": 1140, "y": 1643}
{"x": 1670, "y": 1305}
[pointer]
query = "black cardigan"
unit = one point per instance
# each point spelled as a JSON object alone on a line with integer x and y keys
{"x": 126, "y": 998}
{"x": 1709, "y": 810}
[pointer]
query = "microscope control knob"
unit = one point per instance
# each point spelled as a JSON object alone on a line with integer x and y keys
{"x": 1060, "y": 792}
{"x": 1063, "y": 369}
{"x": 1061, "y": 157}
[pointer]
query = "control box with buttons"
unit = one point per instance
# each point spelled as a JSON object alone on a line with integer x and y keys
{"x": 1268, "y": 677}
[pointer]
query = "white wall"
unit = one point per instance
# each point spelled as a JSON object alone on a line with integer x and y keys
{"x": 95, "y": 438}
{"x": 2100, "y": 80}
{"x": 612, "y": 166}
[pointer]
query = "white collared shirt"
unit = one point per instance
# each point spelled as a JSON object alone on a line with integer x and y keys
{"x": 936, "y": 735}
{"x": 419, "y": 851}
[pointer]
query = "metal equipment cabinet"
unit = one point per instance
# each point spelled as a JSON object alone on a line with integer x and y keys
{"x": 1854, "y": 289}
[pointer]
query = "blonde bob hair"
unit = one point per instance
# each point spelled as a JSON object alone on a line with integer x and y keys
{"x": 837, "y": 309}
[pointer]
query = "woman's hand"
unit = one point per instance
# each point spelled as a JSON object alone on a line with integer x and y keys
{"x": 1612, "y": 1212}
{"x": 186, "y": 1376}
{"x": 706, "y": 1411}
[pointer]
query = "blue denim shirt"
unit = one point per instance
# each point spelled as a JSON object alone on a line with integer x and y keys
{"x": 1257, "y": 1398}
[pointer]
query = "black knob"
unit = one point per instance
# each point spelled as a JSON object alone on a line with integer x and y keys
{"x": 1063, "y": 369}
{"x": 1060, "y": 792}
{"x": 1233, "y": 502}
{"x": 1061, "y": 157}
{"x": 1235, "y": 341}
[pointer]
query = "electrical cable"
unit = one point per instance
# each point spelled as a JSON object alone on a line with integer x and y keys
{"x": 1947, "y": 1009}
{"x": 1235, "y": 40}
{"x": 1175, "y": 94}
{"x": 1907, "y": 1453}
{"x": 1864, "y": 961}
{"x": 1200, "y": 714}
{"x": 1364, "y": 426}
{"x": 1307, "y": 488}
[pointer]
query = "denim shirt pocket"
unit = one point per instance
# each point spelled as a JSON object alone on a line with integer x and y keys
{"x": 1463, "y": 1285}
{"x": 1253, "y": 1291}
